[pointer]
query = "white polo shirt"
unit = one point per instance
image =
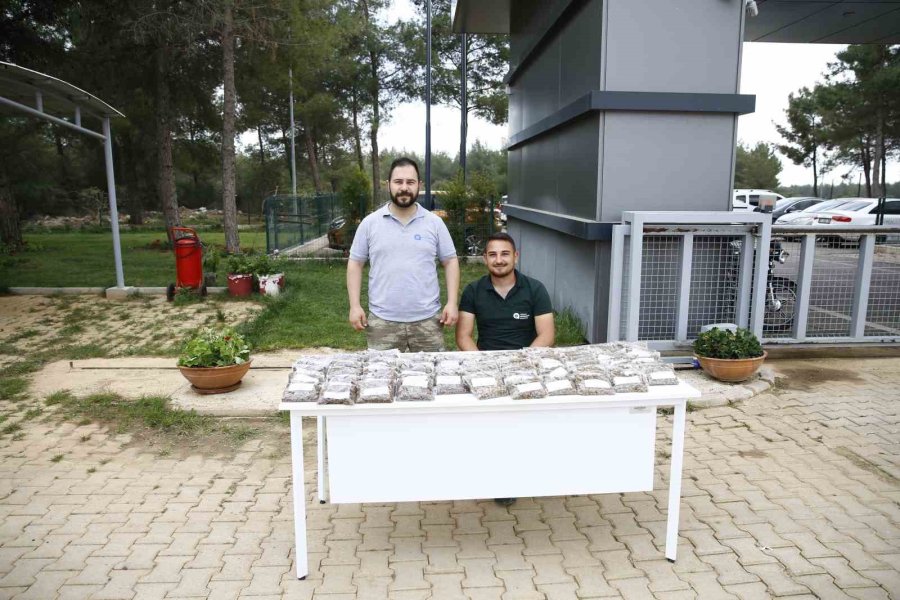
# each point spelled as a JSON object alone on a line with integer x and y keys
{"x": 403, "y": 283}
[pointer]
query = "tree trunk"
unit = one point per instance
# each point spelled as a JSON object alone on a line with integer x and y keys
{"x": 262, "y": 154}
{"x": 815, "y": 174}
{"x": 165, "y": 170}
{"x": 10, "y": 231}
{"x": 867, "y": 167}
{"x": 313, "y": 158}
{"x": 229, "y": 203}
{"x": 375, "y": 85}
{"x": 357, "y": 138}
{"x": 877, "y": 187}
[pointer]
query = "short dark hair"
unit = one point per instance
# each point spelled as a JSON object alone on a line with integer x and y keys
{"x": 404, "y": 161}
{"x": 500, "y": 236}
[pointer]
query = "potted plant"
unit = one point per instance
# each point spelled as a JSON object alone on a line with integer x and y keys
{"x": 240, "y": 275}
{"x": 269, "y": 274}
{"x": 729, "y": 356}
{"x": 214, "y": 360}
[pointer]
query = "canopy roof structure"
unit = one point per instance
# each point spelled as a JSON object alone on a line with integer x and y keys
{"x": 796, "y": 21}
{"x": 43, "y": 96}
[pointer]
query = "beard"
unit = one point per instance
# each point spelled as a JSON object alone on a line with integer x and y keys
{"x": 502, "y": 271}
{"x": 403, "y": 199}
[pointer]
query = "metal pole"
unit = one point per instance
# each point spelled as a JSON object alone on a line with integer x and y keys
{"x": 293, "y": 133}
{"x": 428, "y": 101}
{"x": 113, "y": 211}
{"x": 463, "y": 103}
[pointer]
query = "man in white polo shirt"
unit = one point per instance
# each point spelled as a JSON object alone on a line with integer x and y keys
{"x": 401, "y": 241}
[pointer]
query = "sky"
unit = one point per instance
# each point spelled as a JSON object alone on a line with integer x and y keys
{"x": 768, "y": 71}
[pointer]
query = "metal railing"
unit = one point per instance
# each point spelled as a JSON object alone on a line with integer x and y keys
{"x": 693, "y": 269}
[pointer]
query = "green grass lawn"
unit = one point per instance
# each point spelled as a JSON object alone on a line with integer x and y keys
{"x": 311, "y": 312}
{"x": 75, "y": 259}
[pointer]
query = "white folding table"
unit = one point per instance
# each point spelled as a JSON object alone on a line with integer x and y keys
{"x": 458, "y": 447}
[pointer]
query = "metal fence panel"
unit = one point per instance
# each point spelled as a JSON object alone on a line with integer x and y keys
{"x": 300, "y": 224}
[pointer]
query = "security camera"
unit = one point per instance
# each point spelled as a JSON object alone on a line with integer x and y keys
{"x": 751, "y": 7}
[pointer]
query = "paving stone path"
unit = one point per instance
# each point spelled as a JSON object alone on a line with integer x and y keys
{"x": 794, "y": 493}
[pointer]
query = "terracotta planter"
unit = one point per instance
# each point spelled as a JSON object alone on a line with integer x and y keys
{"x": 240, "y": 284}
{"x": 731, "y": 369}
{"x": 215, "y": 380}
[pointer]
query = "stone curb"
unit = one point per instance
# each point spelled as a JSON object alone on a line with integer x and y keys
{"x": 718, "y": 393}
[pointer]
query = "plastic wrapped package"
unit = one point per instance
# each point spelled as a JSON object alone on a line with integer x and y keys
{"x": 659, "y": 374}
{"x": 593, "y": 386}
{"x": 448, "y": 367}
{"x": 448, "y": 384}
{"x": 629, "y": 383}
{"x": 559, "y": 387}
{"x": 417, "y": 366}
{"x": 524, "y": 376}
{"x": 382, "y": 355}
{"x": 661, "y": 377}
{"x": 414, "y": 388}
{"x": 527, "y": 391}
{"x": 557, "y": 373}
{"x": 374, "y": 390}
{"x": 549, "y": 364}
{"x": 381, "y": 369}
{"x": 336, "y": 393}
{"x": 485, "y": 386}
{"x": 307, "y": 376}
{"x": 342, "y": 377}
{"x": 301, "y": 391}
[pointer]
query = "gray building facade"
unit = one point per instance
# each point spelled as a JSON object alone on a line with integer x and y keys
{"x": 619, "y": 105}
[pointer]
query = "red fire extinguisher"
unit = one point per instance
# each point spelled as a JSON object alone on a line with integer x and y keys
{"x": 188, "y": 262}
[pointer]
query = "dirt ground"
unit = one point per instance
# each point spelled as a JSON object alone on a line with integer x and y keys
{"x": 96, "y": 326}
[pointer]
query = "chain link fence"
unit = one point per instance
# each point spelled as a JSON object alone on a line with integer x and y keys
{"x": 323, "y": 225}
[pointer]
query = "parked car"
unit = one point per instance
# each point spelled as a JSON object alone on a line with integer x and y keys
{"x": 748, "y": 199}
{"x": 790, "y": 205}
{"x": 849, "y": 211}
{"x": 807, "y": 215}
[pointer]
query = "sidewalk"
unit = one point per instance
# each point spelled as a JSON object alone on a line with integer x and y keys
{"x": 792, "y": 493}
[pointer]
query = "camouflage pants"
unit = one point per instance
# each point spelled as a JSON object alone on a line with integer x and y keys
{"x": 419, "y": 336}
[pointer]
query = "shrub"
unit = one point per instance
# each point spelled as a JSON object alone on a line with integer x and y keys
{"x": 214, "y": 347}
{"x": 722, "y": 343}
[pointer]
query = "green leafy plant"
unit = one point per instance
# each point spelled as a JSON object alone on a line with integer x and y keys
{"x": 238, "y": 264}
{"x": 722, "y": 343}
{"x": 211, "y": 259}
{"x": 263, "y": 264}
{"x": 214, "y": 347}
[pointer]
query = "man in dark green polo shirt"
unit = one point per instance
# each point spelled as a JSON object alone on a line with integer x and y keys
{"x": 512, "y": 311}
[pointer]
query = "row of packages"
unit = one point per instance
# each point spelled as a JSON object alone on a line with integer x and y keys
{"x": 389, "y": 376}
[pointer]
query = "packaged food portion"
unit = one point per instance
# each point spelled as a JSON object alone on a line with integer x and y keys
{"x": 629, "y": 383}
{"x": 301, "y": 391}
{"x": 527, "y": 391}
{"x": 336, "y": 393}
{"x": 485, "y": 386}
{"x": 414, "y": 388}
{"x": 559, "y": 387}
{"x": 449, "y": 384}
{"x": 593, "y": 386}
{"x": 374, "y": 390}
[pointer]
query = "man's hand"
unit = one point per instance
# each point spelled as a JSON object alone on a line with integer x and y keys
{"x": 450, "y": 315}
{"x": 358, "y": 318}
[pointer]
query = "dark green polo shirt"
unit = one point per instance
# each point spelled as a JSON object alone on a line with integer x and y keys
{"x": 506, "y": 323}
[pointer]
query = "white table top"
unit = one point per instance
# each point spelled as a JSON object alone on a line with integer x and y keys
{"x": 659, "y": 395}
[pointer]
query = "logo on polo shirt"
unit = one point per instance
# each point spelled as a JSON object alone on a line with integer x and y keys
{"x": 521, "y": 316}
{"x": 417, "y": 237}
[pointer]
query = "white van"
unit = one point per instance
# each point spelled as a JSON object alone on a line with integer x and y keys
{"x": 748, "y": 200}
